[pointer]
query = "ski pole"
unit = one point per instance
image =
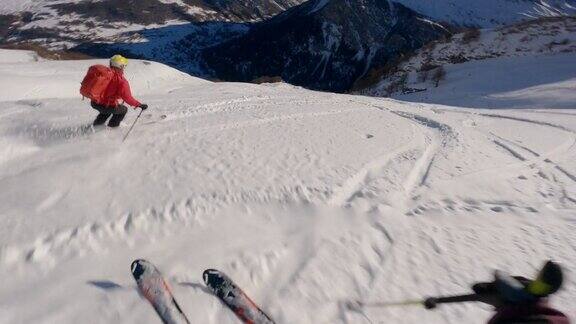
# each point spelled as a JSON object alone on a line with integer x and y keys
{"x": 126, "y": 136}
{"x": 429, "y": 303}
{"x": 432, "y": 302}
{"x": 358, "y": 304}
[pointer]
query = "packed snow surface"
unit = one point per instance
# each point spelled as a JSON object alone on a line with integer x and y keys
{"x": 307, "y": 200}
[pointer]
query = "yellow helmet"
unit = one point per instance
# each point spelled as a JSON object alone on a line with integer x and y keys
{"x": 118, "y": 61}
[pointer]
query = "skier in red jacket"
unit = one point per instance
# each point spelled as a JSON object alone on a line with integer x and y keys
{"x": 119, "y": 89}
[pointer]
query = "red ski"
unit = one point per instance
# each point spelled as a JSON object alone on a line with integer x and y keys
{"x": 154, "y": 288}
{"x": 229, "y": 293}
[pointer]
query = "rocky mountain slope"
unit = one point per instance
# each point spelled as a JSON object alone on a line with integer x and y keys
{"x": 66, "y": 23}
{"x": 489, "y": 13}
{"x": 323, "y": 44}
{"x": 329, "y": 44}
{"x": 320, "y": 44}
{"x": 427, "y": 68}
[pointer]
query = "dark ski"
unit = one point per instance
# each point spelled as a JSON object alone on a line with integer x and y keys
{"x": 229, "y": 293}
{"x": 154, "y": 288}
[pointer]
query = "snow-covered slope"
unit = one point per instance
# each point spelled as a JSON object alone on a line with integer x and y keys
{"x": 62, "y": 79}
{"x": 306, "y": 199}
{"x": 535, "y": 56}
{"x": 514, "y": 82}
{"x": 489, "y": 13}
{"x": 7, "y": 57}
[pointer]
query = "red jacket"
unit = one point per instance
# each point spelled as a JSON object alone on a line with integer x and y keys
{"x": 119, "y": 89}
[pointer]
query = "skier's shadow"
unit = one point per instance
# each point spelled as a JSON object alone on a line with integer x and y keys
{"x": 196, "y": 286}
{"x": 110, "y": 285}
{"x": 105, "y": 284}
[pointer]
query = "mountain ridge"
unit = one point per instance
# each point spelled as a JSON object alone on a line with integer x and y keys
{"x": 321, "y": 44}
{"x": 202, "y": 37}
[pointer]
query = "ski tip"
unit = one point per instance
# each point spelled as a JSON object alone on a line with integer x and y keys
{"x": 212, "y": 277}
{"x": 138, "y": 268}
{"x": 209, "y": 273}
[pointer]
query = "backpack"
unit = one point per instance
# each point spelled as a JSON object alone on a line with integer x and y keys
{"x": 96, "y": 82}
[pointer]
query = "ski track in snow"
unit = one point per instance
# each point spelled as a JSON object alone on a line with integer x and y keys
{"x": 307, "y": 200}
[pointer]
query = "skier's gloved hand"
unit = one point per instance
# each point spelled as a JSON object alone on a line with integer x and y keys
{"x": 487, "y": 293}
{"x": 509, "y": 290}
{"x": 143, "y": 106}
{"x": 503, "y": 290}
{"x": 512, "y": 290}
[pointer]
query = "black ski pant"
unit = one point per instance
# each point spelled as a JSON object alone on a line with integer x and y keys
{"x": 105, "y": 112}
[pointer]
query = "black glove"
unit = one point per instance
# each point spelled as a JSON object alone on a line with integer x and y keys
{"x": 487, "y": 293}
{"x": 143, "y": 106}
{"x": 504, "y": 290}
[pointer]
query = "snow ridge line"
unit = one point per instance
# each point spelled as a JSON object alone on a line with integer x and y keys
{"x": 565, "y": 172}
{"x": 509, "y": 150}
{"x": 78, "y": 241}
{"x": 525, "y": 148}
{"x": 445, "y": 130}
{"x": 423, "y": 166}
{"x": 420, "y": 171}
{"x": 537, "y": 122}
{"x": 537, "y": 163}
{"x": 541, "y": 156}
{"x": 354, "y": 184}
{"x": 236, "y": 104}
{"x": 261, "y": 121}
{"x": 538, "y": 158}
